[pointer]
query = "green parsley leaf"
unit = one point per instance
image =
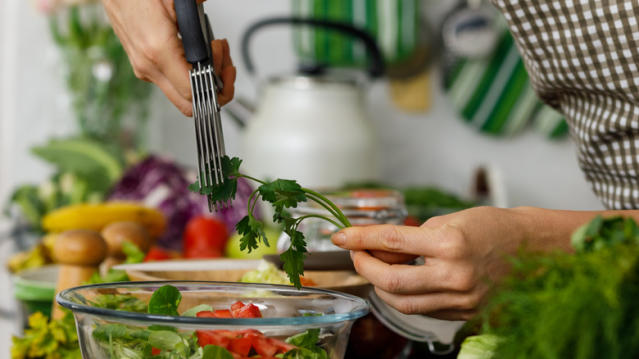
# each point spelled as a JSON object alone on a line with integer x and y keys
{"x": 282, "y": 193}
{"x": 293, "y": 257}
{"x": 165, "y": 301}
{"x": 252, "y": 232}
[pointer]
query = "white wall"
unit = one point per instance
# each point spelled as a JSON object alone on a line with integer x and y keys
{"x": 435, "y": 148}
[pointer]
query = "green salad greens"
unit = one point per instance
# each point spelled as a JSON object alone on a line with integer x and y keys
{"x": 563, "y": 305}
{"x": 282, "y": 194}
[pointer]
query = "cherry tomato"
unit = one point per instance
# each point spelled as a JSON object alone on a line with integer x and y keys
{"x": 204, "y": 237}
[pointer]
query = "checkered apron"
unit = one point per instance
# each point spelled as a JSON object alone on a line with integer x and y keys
{"x": 582, "y": 57}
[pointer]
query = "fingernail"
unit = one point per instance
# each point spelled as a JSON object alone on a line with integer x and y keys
{"x": 339, "y": 239}
{"x": 352, "y": 254}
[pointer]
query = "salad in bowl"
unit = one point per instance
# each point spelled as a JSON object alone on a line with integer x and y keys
{"x": 211, "y": 320}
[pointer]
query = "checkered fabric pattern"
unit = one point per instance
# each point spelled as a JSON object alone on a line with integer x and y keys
{"x": 582, "y": 58}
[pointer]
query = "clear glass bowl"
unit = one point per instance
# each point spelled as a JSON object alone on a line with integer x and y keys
{"x": 285, "y": 310}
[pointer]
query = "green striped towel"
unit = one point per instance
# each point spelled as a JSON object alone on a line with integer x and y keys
{"x": 494, "y": 94}
{"x": 393, "y": 23}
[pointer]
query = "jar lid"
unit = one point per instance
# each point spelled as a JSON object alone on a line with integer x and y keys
{"x": 377, "y": 204}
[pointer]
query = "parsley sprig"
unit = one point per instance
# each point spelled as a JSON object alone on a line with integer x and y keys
{"x": 282, "y": 194}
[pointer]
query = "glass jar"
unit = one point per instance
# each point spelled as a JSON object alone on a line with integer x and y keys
{"x": 361, "y": 207}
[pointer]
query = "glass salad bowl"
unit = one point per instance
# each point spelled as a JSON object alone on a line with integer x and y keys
{"x": 210, "y": 320}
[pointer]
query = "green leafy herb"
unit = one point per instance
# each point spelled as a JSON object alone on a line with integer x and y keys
{"x": 282, "y": 194}
{"x": 307, "y": 346}
{"x": 215, "y": 352}
{"x": 308, "y": 339}
{"x": 165, "y": 301}
{"x": 46, "y": 339}
{"x": 563, "y": 305}
{"x": 132, "y": 252}
{"x": 198, "y": 308}
{"x": 601, "y": 232}
{"x": 122, "y": 302}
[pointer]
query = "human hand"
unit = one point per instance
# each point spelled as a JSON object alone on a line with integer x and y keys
{"x": 149, "y": 35}
{"x": 464, "y": 254}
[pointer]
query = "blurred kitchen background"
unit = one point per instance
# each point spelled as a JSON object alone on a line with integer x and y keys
{"x": 433, "y": 118}
{"x": 432, "y": 147}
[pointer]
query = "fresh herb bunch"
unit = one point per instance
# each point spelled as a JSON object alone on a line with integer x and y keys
{"x": 282, "y": 194}
{"x": 564, "y": 305}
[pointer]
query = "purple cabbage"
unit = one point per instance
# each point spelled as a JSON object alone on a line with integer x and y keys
{"x": 161, "y": 183}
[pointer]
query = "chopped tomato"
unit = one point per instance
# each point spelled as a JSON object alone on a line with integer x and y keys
{"x": 307, "y": 282}
{"x": 236, "y": 306}
{"x": 223, "y": 313}
{"x": 244, "y": 332}
{"x": 241, "y": 346}
{"x": 247, "y": 311}
{"x": 155, "y": 351}
{"x": 282, "y": 346}
{"x": 205, "y": 314}
{"x": 157, "y": 254}
{"x": 213, "y": 337}
{"x": 262, "y": 345}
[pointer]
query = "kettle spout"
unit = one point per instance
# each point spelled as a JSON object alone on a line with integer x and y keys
{"x": 240, "y": 110}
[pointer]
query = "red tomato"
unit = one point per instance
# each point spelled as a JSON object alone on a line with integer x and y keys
{"x": 262, "y": 345}
{"x": 205, "y": 314}
{"x": 155, "y": 351}
{"x": 157, "y": 254}
{"x": 223, "y": 313}
{"x": 204, "y": 237}
{"x": 236, "y": 306}
{"x": 213, "y": 337}
{"x": 282, "y": 347}
{"x": 247, "y": 311}
{"x": 241, "y": 346}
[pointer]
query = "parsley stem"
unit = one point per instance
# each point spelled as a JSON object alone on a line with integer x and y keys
{"x": 326, "y": 207}
{"x": 337, "y": 211}
{"x": 238, "y": 175}
{"x": 300, "y": 219}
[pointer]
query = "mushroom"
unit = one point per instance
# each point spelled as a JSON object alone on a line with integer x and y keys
{"x": 78, "y": 252}
{"x": 115, "y": 234}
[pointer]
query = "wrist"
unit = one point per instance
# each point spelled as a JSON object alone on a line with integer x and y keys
{"x": 542, "y": 229}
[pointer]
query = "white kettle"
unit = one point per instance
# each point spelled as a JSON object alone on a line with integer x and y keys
{"x": 311, "y": 127}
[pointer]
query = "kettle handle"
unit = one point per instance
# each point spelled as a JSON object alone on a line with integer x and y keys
{"x": 375, "y": 66}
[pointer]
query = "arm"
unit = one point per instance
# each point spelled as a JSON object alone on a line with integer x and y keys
{"x": 465, "y": 254}
{"x": 149, "y": 35}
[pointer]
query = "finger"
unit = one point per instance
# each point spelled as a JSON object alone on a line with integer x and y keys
{"x": 217, "y": 51}
{"x": 228, "y": 92}
{"x": 172, "y": 64}
{"x": 169, "y": 6}
{"x": 226, "y": 54}
{"x": 399, "y": 278}
{"x": 175, "y": 97}
{"x": 391, "y": 238}
{"x": 393, "y": 258}
{"x": 430, "y": 303}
